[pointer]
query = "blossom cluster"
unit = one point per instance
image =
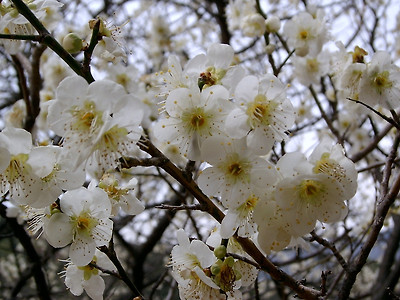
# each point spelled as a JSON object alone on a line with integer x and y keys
{"x": 232, "y": 124}
{"x": 213, "y": 112}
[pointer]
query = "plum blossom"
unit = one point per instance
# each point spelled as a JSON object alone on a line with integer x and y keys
{"x": 380, "y": 82}
{"x": 192, "y": 117}
{"x": 97, "y": 121}
{"x": 214, "y": 67}
{"x": 12, "y": 22}
{"x": 308, "y": 69}
{"x": 17, "y": 175}
{"x": 190, "y": 261}
{"x": 83, "y": 220}
{"x": 253, "y": 25}
{"x": 263, "y": 113}
{"x": 54, "y": 173}
{"x": 121, "y": 195}
{"x": 88, "y": 278}
{"x": 234, "y": 171}
{"x": 200, "y": 275}
{"x": 306, "y": 34}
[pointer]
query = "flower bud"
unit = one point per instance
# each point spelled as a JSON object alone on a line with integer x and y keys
{"x": 220, "y": 251}
{"x": 272, "y": 24}
{"x": 270, "y": 49}
{"x": 72, "y": 43}
{"x": 216, "y": 267}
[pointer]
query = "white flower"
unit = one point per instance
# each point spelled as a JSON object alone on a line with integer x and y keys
{"x": 84, "y": 221}
{"x": 274, "y": 231}
{"x": 55, "y": 175}
{"x": 215, "y": 68}
{"x": 241, "y": 218}
{"x": 306, "y": 34}
{"x": 190, "y": 261}
{"x": 309, "y": 70}
{"x": 237, "y": 10}
{"x": 253, "y": 25}
{"x": 272, "y": 24}
{"x": 16, "y": 116}
{"x": 235, "y": 170}
{"x": 121, "y": 196}
{"x": 17, "y": 177}
{"x": 193, "y": 116}
{"x": 380, "y": 82}
{"x": 175, "y": 77}
{"x": 98, "y": 120}
{"x": 88, "y": 278}
{"x": 263, "y": 113}
{"x": 330, "y": 159}
{"x": 12, "y": 22}
{"x": 306, "y": 196}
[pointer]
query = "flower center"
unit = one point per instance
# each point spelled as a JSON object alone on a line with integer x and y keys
{"x": 260, "y": 110}
{"x": 330, "y": 167}
{"x": 381, "y": 81}
{"x": 235, "y": 169}
{"x": 303, "y": 35}
{"x": 196, "y": 119}
{"x": 210, "y": 77}
{"x": 312, "y": 65}
{"x": 247, "y": 208}
{"x": 309, "y": 191}
{"x": 16, "y": 167}
{"x": 87, "y": 118}
{"x": 89, "y": 270}
{"x": 83, "y": 224}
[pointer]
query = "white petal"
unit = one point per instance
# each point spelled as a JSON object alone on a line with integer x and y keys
{"x": 74, "y": 279}
{"x": 58, "y": 230}
{"x": 82, "y": 250}
{"x": 94, "y": 287}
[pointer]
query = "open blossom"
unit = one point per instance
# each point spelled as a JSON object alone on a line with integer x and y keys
{"x": 17, "y": 175}
{"x": 235, "y": 170}
{"x": 83, "y": 221}
{"x": 274, "y": 230}
{"x": 305, "y": 33}
{"x": 263, "y": 113}
{"x": 308, "y": 192}
{"x": 12, "y": 22}
{"x": 253, "y": 25}
{"x": 188, "y": 261}
{"x": 192, "y": 117}
{"x": 309, "y": 69}
{"x": 200, "y": 275}
{"x": 98, "y": 120}
{"x": 54, "y": 173}
{"x": 240, "y": 218}
{"x": 88, "y": 278}
{"x": 215, "y": 67}
{"x": 380, "y": 82}
{"x": 330, "y": 159}
{"x": 121, "y": 195}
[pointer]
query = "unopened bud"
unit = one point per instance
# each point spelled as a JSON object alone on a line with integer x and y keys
{"x": 216, "y": 267}
{"x": 72, "y": 43}
{"x": 220, "y": 251}
{"x": 270, "y": 49}
{"x": 272, "y": 24}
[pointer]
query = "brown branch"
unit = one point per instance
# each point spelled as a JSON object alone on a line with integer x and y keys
{"x": 331, "y": 247}
{"x": 33, "y": 256}
{"x": 384, "y": 203}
